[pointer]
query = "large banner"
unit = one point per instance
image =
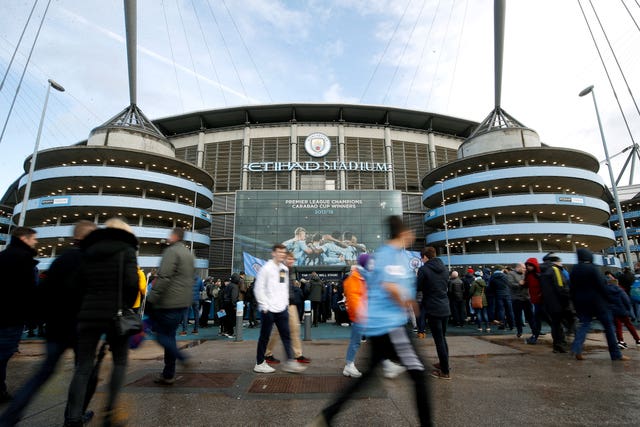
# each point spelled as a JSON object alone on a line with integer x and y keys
{"x": 320, "y": 228}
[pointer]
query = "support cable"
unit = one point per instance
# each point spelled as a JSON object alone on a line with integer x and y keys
{"x": 455, "y": 63}
{"x": 215, "y": 71}
{"x": 424, "y": 48}
{"x": 193, "y": 64}
{"x": 173, "y": 59}
{"x": 385, "y": 51}
{"x": 615, "y": 57}
{"x": 435, "y": 74}
{"x": 24, "y": 70}
{"x": 628, "y": 11}
{"x": 248, "y": 52}
{"x": 615, "y": 94}
{"x": 404, "y": 50}
{"x": 26, "y": 24}
{"x": 224, "y": 42}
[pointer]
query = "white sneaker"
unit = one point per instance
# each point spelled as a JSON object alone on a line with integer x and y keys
{"x": 350, "y": 370}
{"x": 263, "y": 368}
{"x": 391, "y": 370}
{"x": 293, "y": 367}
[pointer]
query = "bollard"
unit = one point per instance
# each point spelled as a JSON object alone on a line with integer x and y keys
{"x": 239, "y": 318}
{"x": 307, "y": 320}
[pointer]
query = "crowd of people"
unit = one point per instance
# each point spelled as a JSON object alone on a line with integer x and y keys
{"x": 92, "y": 285}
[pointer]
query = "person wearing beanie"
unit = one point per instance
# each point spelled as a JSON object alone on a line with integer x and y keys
{"x": 478, "y": 288}
{"x": 591, "y": 299}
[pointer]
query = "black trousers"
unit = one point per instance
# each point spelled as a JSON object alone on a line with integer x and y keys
{"x": 394, "y": 345}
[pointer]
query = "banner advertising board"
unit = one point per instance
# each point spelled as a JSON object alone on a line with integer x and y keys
{"x": 321, "y": 228}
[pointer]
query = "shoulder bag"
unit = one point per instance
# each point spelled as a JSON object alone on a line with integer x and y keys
{"x": 476, "y": 300}
{"x": 126, "y": 321}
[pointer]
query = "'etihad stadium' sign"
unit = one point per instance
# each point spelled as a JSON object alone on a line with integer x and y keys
{"x": 317, "y": 166}
{"x": 317, "y": 145}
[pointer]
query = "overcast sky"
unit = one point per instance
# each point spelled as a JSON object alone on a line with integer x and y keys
{"x": 429, "y": 55}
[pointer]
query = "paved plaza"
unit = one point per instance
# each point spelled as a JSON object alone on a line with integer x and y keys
{"x": 497, "y": 380}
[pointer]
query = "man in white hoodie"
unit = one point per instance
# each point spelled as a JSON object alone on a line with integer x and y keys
{"x": 271, "y": 291}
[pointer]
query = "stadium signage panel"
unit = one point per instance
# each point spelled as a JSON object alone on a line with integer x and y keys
{"x": 312, "y": 166}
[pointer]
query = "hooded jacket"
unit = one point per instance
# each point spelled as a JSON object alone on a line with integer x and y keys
{"x": 18, "y": 285}
{"x": 532, "y": 281}
{"x": 478, "y": 288}
{"x": 433, "y": 279}
{"x": 588, "y": 285}
{"x": 619, "y": 302}
{"x": 499, "y": 283}
{"x": 104, "y": 249}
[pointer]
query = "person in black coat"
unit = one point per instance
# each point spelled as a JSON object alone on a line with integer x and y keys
{"x": 556, "y": 299}
{"x": 110, "y": 259}
{"x": 589, "y": 296}
{"x": 433, "y": 279}
{"x": 17, "y": 288}
{"x": 230, "y": 299}
{"x": 60, "y": 301}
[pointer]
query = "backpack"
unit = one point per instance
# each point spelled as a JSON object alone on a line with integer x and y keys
{"x": 634, "y": 293}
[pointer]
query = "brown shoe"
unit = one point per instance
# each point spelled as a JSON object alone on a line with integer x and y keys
{"x": 579, "y": 356}
{"x": 622, "y": 358}
{"x": 440, "y": 375}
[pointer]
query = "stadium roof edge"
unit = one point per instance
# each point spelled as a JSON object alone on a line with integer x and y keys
{"x": 314, "y": 112}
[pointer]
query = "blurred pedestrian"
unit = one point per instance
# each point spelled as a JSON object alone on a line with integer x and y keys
{"x": 390, "y": 292}
{"x": 62, "y": 297}
{"x": 109, "y": 279}
{"x": 589, "y": 295}
{"x": 18, "y": 286}
{"x": 171, "y": 295}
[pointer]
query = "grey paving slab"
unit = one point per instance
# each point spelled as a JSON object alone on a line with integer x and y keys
{"x": 497, "y": 380}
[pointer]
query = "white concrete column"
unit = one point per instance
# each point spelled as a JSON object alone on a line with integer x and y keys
{"x": 389, "y": 158}
{"x": 246, "y": 139}
{"x": 200, "y": 152}
{"x": 432, "y": 150}
{"x": 293, "y": 155}
{"x": 341, "y": 157}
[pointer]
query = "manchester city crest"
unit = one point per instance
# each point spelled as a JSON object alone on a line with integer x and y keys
{"x": 317, "y": 144}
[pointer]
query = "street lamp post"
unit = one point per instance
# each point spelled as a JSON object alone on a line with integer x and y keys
{"x": 446, "y": 227}
{"x": 34, "y": 157}
{"x": 614, "y": 187}
{"x": 193, "y": 220}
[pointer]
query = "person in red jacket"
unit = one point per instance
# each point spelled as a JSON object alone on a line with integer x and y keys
{"x": 532, "y": 281}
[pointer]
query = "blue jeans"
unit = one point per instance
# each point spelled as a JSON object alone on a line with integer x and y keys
{"x": 481, "y": 317}
{"x": 166, "y": 322}
{"x": 9, "y": 340}
{"x": 438, "y": 326}
{"x": 504, "y": 311}
{"x": 521, "y": 307}
{"x": 195, "y": 307}
{"x": 585, "y": 325}
{"x": 281, "y": 320}
{"x": 354, "y": 342}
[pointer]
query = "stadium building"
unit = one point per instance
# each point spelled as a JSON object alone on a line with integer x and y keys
{"x": 321, "y": 178}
